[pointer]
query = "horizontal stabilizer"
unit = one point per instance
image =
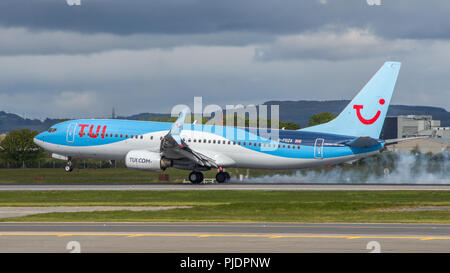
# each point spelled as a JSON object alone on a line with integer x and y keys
{"x": 362, "y": 142}
{"x": 397, "y": 140}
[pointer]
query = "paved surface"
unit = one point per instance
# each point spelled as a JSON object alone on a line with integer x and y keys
{"x": 6, "y": 212}
{"x": 223, "y": 237}
{"x": 259, "y": 187}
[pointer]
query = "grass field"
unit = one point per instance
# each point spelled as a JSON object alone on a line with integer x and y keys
{"x": 103, "y": 176}
{"x": 241, "y": 206}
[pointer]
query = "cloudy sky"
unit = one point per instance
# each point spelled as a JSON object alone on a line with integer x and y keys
{"x": 58, "y": 60}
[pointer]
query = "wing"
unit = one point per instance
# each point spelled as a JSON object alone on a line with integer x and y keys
{"x": 175, "y": 148}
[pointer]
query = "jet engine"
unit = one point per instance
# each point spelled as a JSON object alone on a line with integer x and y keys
{"x": 147, "y": 161}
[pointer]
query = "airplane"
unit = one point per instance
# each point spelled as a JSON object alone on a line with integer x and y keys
{"x": 156, "y": 146}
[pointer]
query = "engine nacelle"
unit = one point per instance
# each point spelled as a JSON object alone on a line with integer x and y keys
{"x": 147, "y": 161}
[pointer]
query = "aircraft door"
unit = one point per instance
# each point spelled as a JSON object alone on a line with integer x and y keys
{"x": 71, "y": 132}
{"x": 318, "y": 148}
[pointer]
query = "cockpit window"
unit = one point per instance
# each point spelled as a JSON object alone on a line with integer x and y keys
{"x": 52, "y": 130}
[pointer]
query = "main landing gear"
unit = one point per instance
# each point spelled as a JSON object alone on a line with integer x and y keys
{"x": 222, "y": 177}
{"x": 197, "y": 177}
{"x": 69, "y": 167}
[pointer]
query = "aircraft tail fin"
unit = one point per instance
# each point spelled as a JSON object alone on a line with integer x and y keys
{"x": 365, "y": 114}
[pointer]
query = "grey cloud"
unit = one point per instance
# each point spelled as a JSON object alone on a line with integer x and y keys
{"x": 334, "y": 44}
{"x": 415, "y": 19}
{"x": 22, "y": 41}
{"x": 155, "y": 80}
{"x": 62, "y": 61}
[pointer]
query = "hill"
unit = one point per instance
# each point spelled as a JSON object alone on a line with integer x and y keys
{"x": 290, "y": 111}
{"x": 9, "y": 122}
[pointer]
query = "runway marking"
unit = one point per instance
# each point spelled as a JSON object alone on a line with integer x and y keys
{"x": 269, "y": 236}
{"x": 134, "y": 235}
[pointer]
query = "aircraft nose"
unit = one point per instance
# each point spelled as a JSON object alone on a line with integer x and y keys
{"x": 39, "y": 139}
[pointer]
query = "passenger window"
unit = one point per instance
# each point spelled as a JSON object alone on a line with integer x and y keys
{"x": 142, "y": 137}
{"x": 117, "y": 135}
{"x": 195, "y": 140}
{"x": 204, "y": 141}
{"x": 151, "y": 137}
{"x": 214, "y": 141}
{"x": 209, "y": 141}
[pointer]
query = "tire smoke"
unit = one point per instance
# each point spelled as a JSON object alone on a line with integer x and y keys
{"x": 385, "y": 168}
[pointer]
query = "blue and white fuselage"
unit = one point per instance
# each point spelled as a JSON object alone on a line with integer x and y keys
{"x": 155, "y": 146}
{"x": 238, "y": 148}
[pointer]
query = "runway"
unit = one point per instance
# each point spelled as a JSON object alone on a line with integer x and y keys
{"x": 223, "y": 237}
{"x": 230, "y": 186}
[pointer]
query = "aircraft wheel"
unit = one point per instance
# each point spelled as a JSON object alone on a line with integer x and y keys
{"x": 222, "y": 177}
{"x": 196, "y": 177}
{"x": 68, "y": 168}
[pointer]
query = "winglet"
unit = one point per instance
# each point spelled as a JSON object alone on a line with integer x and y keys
{"x": 177, "y": 127}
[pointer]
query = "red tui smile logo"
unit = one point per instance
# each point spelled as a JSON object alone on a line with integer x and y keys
{"x": 367, "y": 121}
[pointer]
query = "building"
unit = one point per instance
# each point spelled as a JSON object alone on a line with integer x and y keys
{"x": 423, "y": 145}
{"x": 435, "y": 139}
{"x": 414, "y": 126}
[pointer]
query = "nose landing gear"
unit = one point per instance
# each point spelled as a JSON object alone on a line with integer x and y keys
{"x": 69, "y": 167}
